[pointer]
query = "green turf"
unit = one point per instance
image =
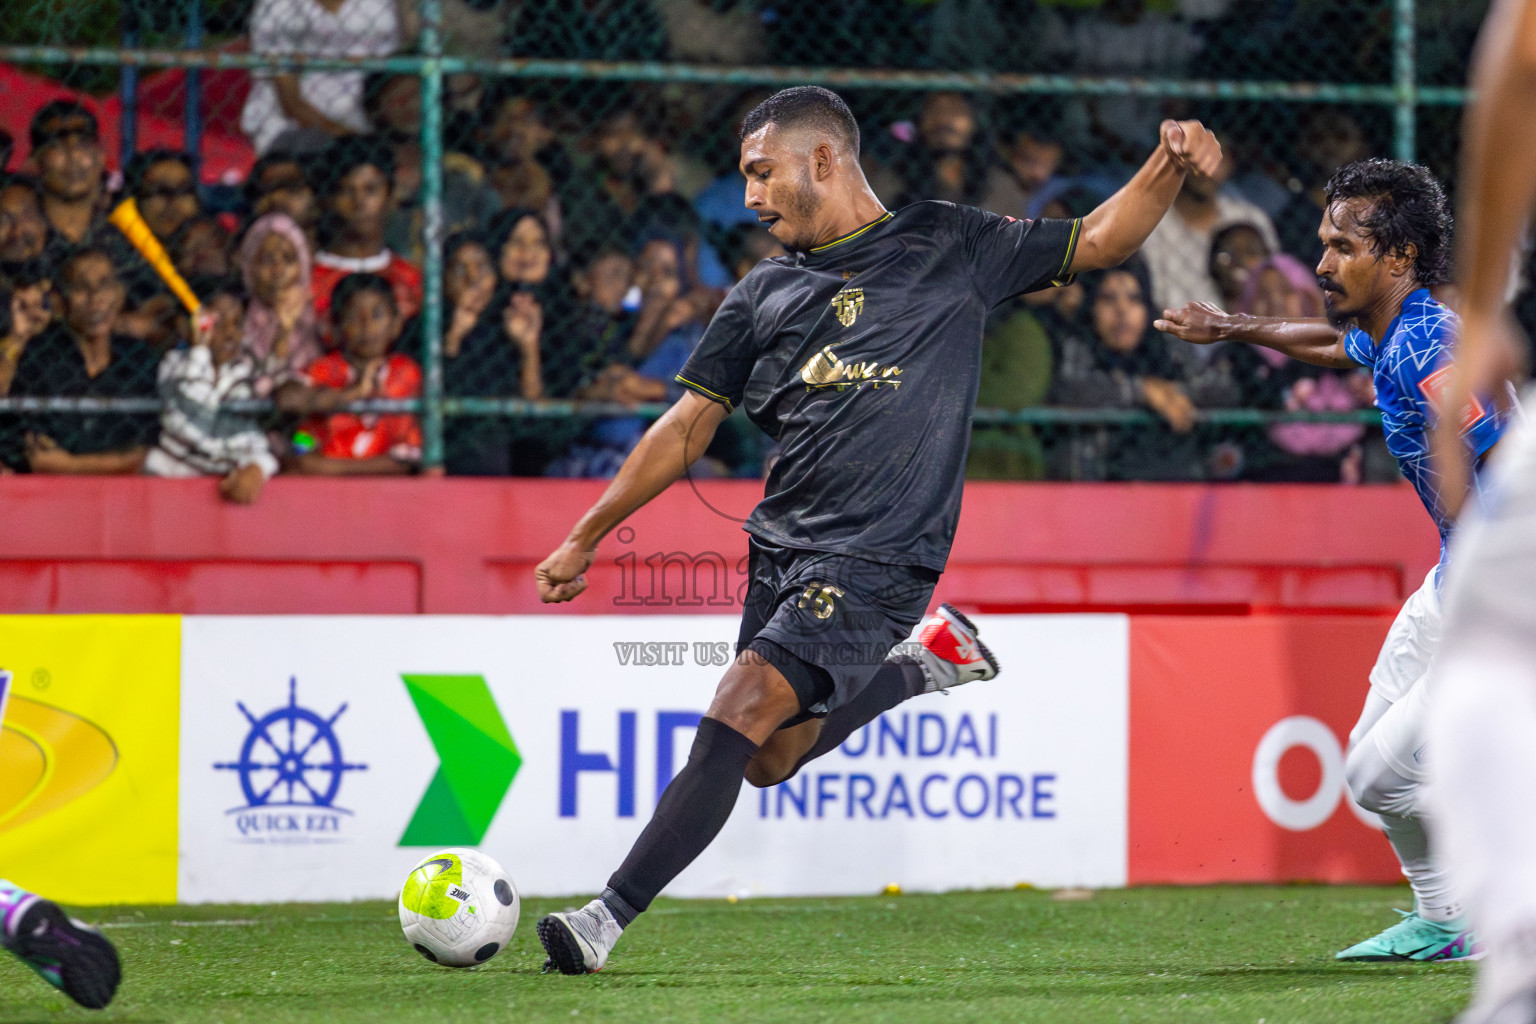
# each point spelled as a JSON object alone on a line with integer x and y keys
{"x": 1229, "y": 955}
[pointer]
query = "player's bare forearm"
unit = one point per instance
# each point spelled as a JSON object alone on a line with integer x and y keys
{"x": 672, "y": 444}
{"x": 1120, "y": 224}
{"x": 1310, "y": 340}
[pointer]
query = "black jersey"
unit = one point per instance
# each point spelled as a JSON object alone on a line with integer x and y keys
{"x": 862, "y": 359}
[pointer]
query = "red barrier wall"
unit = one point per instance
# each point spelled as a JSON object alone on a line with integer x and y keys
{"x": 469, "y": 546}
{"x": 1204, "y": 693}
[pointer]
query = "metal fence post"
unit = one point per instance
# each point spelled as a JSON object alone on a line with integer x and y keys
{"x": 192, "y": 119}
{"x": 128, "y": 88}
{"x": 432, "y": 230}
{"x": 1405, "y": 109}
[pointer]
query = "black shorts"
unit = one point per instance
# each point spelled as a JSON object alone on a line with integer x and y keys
{"x": 828, "y": 621}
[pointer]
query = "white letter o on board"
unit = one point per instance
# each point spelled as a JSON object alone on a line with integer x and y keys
{"x": 1298, "y": 731}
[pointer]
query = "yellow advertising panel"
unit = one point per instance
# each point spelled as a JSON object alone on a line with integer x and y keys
{"x": 89, "y": 758}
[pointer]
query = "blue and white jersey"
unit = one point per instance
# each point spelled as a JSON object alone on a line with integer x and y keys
{"x": 1411, "y": 368}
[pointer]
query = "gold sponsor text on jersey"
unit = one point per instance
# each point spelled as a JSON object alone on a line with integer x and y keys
{"x": 826, "y": 370}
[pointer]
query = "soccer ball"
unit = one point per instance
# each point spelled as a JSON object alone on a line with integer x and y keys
{"x": 458, "y": 908}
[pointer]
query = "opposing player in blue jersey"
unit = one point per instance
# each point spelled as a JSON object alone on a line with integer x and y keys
{"x": 1386, "y": 243}
{"x": 72, "y": 957}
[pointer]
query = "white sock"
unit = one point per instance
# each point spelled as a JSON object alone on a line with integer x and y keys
{"x": 1433, "y": 896}
{"x": 1398, "y": 802}
{"x": 1483, "y": 733}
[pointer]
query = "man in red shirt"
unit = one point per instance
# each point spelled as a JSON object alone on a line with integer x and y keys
{"x": 356, "y": 194}
{"x": 349, "y": 444}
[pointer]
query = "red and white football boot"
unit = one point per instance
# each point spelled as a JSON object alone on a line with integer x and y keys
{"x": 951, "y": 654}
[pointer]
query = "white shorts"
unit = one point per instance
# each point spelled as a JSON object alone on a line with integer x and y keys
{"x": 1393, "y": 719}
{"x": 1411, "y": 642}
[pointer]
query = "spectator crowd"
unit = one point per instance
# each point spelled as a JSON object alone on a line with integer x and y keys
{"x": 590, "y": 232}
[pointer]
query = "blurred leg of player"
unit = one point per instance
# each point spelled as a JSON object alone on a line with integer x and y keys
{"x": 1386, "y": 769}
{"x": 72, "y": 957}
{"x": 1484, "y": 732}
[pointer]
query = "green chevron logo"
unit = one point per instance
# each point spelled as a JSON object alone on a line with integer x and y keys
{"x": 476, "y": 755}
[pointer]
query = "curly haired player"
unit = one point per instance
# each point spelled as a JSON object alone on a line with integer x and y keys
{"x": 1386, "y": 238}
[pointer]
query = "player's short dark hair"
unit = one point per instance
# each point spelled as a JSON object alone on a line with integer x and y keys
{"x": 139, "y": 165}
{"x": 821, "y": 109}
{"x": 347, "y": 154}
{"x": 354, "y": 285}
{"x": 1407, "y": 207}
{"x": 57, "y": 110}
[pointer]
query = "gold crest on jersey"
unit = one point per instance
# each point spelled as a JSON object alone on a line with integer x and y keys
{"x": 848, "y": 304}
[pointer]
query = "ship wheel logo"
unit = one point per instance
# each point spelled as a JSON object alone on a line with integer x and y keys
{"x": 291, "y": 757}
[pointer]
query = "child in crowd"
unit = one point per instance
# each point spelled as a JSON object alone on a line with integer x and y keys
{"x": 282, "y": 332}
{"x": 368, "y": 322}
{"x": 199, "y": 435}
{"x": 357, "y": 199}
{"x": 660, "y": 337}
{"x": 25, "y": 309}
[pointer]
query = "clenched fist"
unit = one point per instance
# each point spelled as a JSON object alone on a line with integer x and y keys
{"x": 561, "y": 576}
{"x": 1192, "y": 146}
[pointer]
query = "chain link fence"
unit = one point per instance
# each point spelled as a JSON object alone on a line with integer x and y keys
{"x": 548, "y": 190}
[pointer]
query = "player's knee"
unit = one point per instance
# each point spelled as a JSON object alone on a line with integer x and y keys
{"x": 754, "y": 699}
{"x": 1375, "y": 786}
{"x": 770, "y": 770}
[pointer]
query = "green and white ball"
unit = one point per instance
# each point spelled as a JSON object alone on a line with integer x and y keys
{"x": 458, "y": 907}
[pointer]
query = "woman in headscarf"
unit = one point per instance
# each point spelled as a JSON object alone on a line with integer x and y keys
{"x": 282, "y": 333}
{"x": 490, "y": 350}
{"x": 1115, "y": 360}
{"x": 532, "y": 276}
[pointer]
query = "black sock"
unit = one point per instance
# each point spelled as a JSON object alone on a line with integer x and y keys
{"x": 895, "y": 681}
{"x": 689, "y": 815}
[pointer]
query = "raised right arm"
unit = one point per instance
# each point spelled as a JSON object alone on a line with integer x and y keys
{"x": 669, "y": 447}
{"x": 1313, "y": 341}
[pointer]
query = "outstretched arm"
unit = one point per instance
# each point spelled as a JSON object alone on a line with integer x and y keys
{"x": 1498, "y": 170}
{"x": 1312, "y": 341}
{"x": 1118, "y": 226}
{"x": 663, "y": 455}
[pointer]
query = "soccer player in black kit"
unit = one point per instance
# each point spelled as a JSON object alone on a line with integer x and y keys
{"x": 860, "y": 354}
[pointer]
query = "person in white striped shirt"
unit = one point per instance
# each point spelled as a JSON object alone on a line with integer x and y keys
{"x": 199, "y": 435}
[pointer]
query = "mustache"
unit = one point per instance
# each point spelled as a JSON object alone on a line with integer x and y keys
{"x": 1329, "y": 286}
